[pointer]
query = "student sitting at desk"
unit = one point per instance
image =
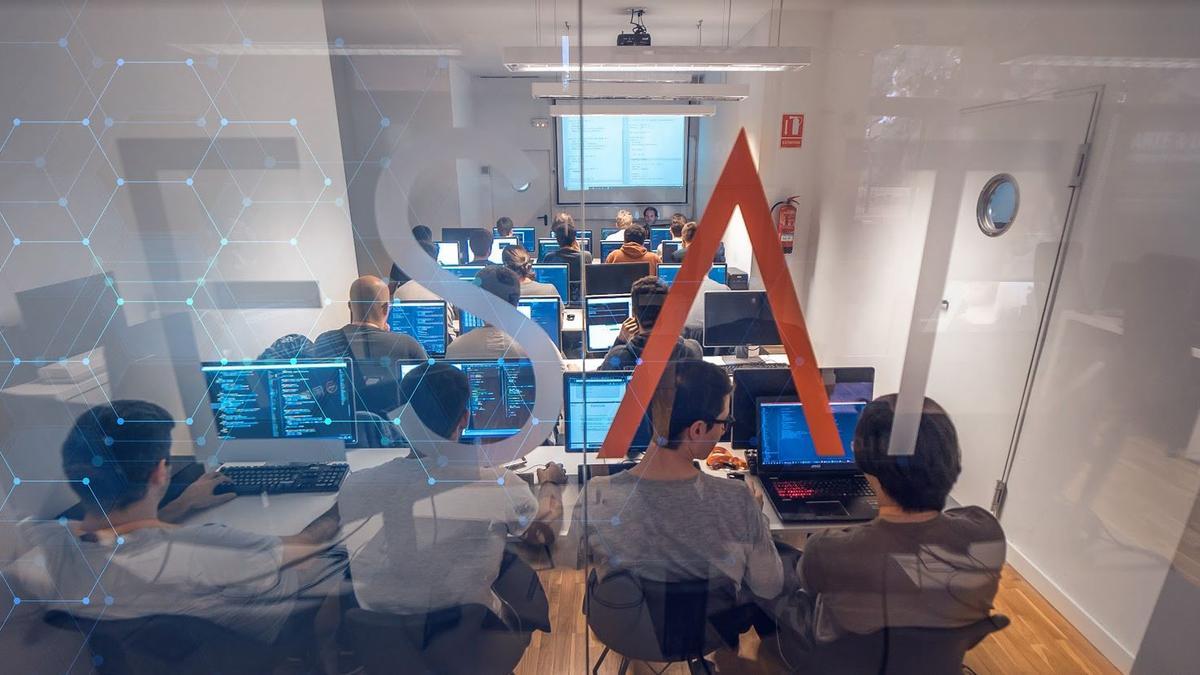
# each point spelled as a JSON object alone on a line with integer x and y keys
{"x": 446, "y": 511}
{"x": 116, "y": 459}
{"x": 569, "y": 251}
{"x": 924, "y": 566}
{"x": 689, "y": 234}
{"x": 623, "y": 221}
{"x": 647, "y": 297}
{"x": 410, "y": 289}
{"x": 666, "y": 520}
{"x": 488, "y": 341}
{"x": 368, "y": 340}
{"x": 634, "y": 249}
{"x": 504, "y": 226}
{"x": 678, "y": 220}
{"x": 480, "y": 243}
{"x": 518, "y": 260}
{"x": 649, "y": 217}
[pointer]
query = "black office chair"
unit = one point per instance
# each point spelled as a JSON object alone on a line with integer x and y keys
{"x": 181, "y": 645}
{"x": 464, "y": 639}
{"x": 903, "y": 651}
{"x": 663, "y": 622}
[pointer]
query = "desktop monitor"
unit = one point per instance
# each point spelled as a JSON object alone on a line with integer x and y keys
{"x": 668, "y": 249}
{"x": 751, "y": 385}
{"x": 466, "y": 272}
{"x": 604, "y": 315}
{"x": 498, "y": 246}
{"x": 615, "y": 278}
{"x": 584, "y": 237}
{"x": 526, "y": 236}
{"x": 557, "y": 275}
{"x": 607, "y": 247}
{"x": 501, "y": 398}
{"x": 718, "y": 273}
{"x": 424, "y": 320}
{"x": 546, "y": 246}
{"x": 657, "y": 236}
{"x": 606, "y": 232}
{"x": 462, "y": 235}
{"x": 737, "y": 318}
{"x": 282, "y": 399}
{"x": 449, "y": 252}
{"x": 787, "y": 442}
{"x": 590, "y": 403}
{"x": 545, "y": 311}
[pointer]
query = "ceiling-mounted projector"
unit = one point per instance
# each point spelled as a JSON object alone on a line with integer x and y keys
{"x": 639, "y": 37}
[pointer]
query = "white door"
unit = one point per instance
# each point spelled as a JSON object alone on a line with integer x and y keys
{"x": 525, "y": 207}
{"x": 1026, "y": 154}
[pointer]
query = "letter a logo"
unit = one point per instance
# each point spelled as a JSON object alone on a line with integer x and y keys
{"x": 738, "y": 186}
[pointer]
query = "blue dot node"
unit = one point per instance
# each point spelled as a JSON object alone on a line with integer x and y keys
{"x": 339, "y": 201}
{"x": 188, "y": 421}
{"x": 639, "y": 362}
{"x": 62, "y": 42}
{"x": 108, "y": 440}
{"x": 224, "y": 361}
{"x": 246, "y": 201}
{"x": 328, "y": 421}
{"x": 85, "y": 121}
{"x": 120, "y": 541}
{"x": 97, "y": 62}
{"x": 120, "y": 182}
{"x": 616, "y": 520}
{"x": 200, "y": 121}
{"x": 328, "y": 182}
{"x": 16, "y": 600}
{"x": 385, "y": 122}
{"x": 97, "y": 461}
{"x": 224, "y": 122}
{"x": 40, "y": 162}
{"x": 293, "y": 241}
{"x": 292, "y": 360}
{"x": 500, "y": 481}
{"x": 269, "y": 162}
{"x": 16, "y": 481}
{"x": 120, "y": 301}
{"x": 108, "y": 121}
{"x": 615, "y": 361}
{"x": 62, "y": 520}
{"x": 190, "y": 302}
{"x": 86, "y": 481}
{"x": 293, "y": 121}
{"x": 200, "y": 442}
{"x": 246, "y": 42}
{"x": 16, "y": 121}
{"x": 120, "y": 62}
{"x": 500, "y": 360}
{"x": 85, "y": 241}
{"x": 62, "y": 201}
{"x": 799, "y": 360}
{"x": 189, "y": 62}
{"x": 396, "y": 421}
{"x": 86, "y": 361}
{"x": 224, "y": 241}
{"x": 108, "y": 600}
{"x": 16, "y": 360}
{"x": 535, "y": 420}
{"x": 431, "y": 361}
{"x": 188, "y": 181}
{"x": 432, "y": 481}
{"x": 338, "y": 42}
{"x": 120, "y": 421}
{"x": 385, "y": 162}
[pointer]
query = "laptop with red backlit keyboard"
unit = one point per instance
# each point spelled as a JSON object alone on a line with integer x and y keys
{"x": 803, "y": 485}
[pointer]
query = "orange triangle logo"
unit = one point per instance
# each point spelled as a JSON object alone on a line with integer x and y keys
{"x": 738, "y": 186}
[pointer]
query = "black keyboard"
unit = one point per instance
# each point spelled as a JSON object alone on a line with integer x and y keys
{"x": 750, "y": 363}
{"x": 823, "y": 488}
{"x": 283, "y": 478}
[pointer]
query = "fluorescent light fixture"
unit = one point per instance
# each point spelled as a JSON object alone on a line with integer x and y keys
{"x": 1101, "y": 61}
{"x": 641, "y": 91}
{"x": 316, "y": 49}
{"x": 657, "y": 59}
{"x": 588, "y": 109}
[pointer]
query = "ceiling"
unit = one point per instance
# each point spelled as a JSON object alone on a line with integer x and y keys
{"x": 481, "y": 28}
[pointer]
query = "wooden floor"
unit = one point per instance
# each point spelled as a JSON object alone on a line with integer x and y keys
{"x": 1039, "y": 640}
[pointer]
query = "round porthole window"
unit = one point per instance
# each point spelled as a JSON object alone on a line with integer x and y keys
{"x": 997, "y": 207}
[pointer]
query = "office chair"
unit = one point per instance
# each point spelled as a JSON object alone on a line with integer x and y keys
{"x": 903, "y": 651}
{"x": 181, "y": 645}
{"x": 464, "y": 639}
{"x": 644, "y": 620}
{"x": 373, "y": 431}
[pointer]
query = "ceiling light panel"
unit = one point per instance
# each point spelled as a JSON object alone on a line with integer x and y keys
{"x": 640, "y": 91}
{"x": 657, "y": 59}
{"x": 589, "y": 109}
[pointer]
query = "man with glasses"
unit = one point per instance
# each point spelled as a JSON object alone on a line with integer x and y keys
{"x": 665, "y": 520}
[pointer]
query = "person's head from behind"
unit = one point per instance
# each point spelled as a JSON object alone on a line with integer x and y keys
{"x": 438, "y": 394}
{"x": 370, "y": 300}
{"x": 517, "y": 259}
{"x": 422, "y": 233}
{"x": 649, "y": 215}
{"x": 636, "y": 234}
{"x": 647, "y": 297}
{"x": 480, "y": 243}
{"x": 118, "y": 452}
{"x": 624, "y": 218}
{"x": 917, "y": 482}
{"x": 564, "y": 231}
{"x": 504, "y": 226}
{"x": 688, "y": 233}
{"x": 500, "y": 282}
{"x": 690, "y": 408}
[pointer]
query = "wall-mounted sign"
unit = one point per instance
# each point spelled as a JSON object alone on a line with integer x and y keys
{"x": 791, "y": 132}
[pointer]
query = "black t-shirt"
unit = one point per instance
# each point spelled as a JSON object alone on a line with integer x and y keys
{"x": 624, "y": 356}
{"x": 374, "y": 352}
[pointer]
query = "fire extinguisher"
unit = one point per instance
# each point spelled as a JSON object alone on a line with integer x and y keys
{"x": 785, "y": 222}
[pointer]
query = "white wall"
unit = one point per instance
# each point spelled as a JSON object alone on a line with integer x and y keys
{"x": 1102, "y": 488}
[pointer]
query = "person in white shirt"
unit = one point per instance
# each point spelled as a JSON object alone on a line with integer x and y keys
{"x": 624, "y": 220}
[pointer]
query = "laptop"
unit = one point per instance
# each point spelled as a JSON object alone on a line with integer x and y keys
{"x": 806, "y": 487}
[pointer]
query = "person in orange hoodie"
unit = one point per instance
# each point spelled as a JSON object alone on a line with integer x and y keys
{"x": 634, "y": 249}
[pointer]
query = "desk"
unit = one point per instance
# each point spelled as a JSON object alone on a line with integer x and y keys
{"x": 592, "y": 365}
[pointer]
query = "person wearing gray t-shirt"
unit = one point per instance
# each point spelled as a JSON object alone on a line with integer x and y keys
{"x": 664, "y": 519}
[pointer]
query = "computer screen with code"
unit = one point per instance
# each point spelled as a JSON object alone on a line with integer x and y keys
{"x": 267, "y": 399}
{"x": 555, "y": 275}
{"x": 605, "y": 314}
{"x": 544, "y": 311}
{"x": 786, "y": 439}
{"x": 590, "y": 403}
{"x": 668, "y": 271}
{"x": 502, "y": 395}
{"x": 425, "y": 320}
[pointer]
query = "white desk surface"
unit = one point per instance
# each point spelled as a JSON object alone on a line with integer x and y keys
{"x": 591, "y": 365}
{"x": 289, "y": 513}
